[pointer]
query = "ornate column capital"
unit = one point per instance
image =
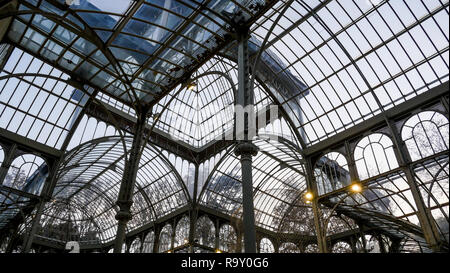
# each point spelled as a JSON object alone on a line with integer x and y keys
{"x": 123, "y": 216}
{"x": 124, "y": 212}
{"x": 246, "y": 149}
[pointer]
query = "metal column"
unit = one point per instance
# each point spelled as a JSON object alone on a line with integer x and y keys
{"x": 193, "y": 213}
{"x": 246, "y": 149}
{"x": 45, "y": 197}
{"x": 217, "y": 235}
{"x": 312, "y": 187}
{"x": 125, "y": 199}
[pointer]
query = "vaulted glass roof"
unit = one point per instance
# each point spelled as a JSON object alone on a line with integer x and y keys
{"x": 346, "y": 77}
{"x": 90, "y": 176}
{"x": 135, "y": 50}
{"x": 278, "y": 181}
{"x": 358, "y": 58}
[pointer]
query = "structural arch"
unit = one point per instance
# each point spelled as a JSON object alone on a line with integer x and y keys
{"x": 374, "y": 154}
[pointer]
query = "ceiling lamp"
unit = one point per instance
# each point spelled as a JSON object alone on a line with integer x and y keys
{"x": 309, "y": 197}
{"x": 356, "y": 188}
{"x": 191, "y": 86}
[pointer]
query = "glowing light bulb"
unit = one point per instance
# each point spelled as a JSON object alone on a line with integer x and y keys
{"x": 191, "y": 86}
{"x": 309, "y": 196}
{"x": 356, "y": 187}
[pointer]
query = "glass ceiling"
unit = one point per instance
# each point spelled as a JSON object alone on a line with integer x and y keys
{"x": 134, "y": 50}
{"x": 356, "y": 58}
{"x": 328, "y": 64}
{"x": 91, "y": 174}
{"x": 278, "y": 180}
{"x": 204, "y": 115}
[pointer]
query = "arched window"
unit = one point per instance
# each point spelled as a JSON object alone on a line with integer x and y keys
{"x": 312, "y": 248}
{"x": 165, "y": 239}
{"x": 373, "y": 244}
{"x": 289, "y": 248}
{"x": 227, "y": 239}
{"x": 266, "y": 246}
{"x": 387, "y": 243}
{"x": 409, "y": 245}
{"x": 88, "y": 129}
{"x": 339, "y": 224}
{"x": 182, "y": 232}
{"x": 331, "y": 172}
{"x": 136, "y": 246}
{"x": 147, "y": 246}
{"x": 425, "y": 134}
{"x": 28, "y": 173}
{"x": 341, "y": 247}
{"x": 205, "y": 232}
{"x": 433, "y": 176}
{"x": 374, "y": 155}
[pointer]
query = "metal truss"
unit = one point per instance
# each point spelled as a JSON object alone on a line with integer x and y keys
{"x": 126, "y": 117}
